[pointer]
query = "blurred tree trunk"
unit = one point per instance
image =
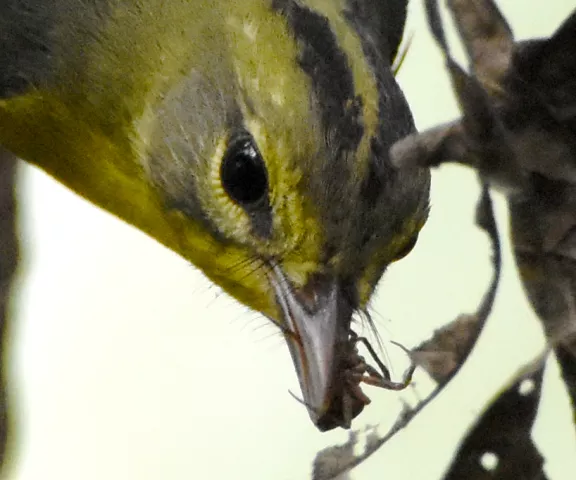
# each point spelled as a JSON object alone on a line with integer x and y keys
{"x": 8, "y": 262}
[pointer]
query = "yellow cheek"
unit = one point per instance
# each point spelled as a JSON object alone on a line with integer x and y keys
{"x": 366, "y": 285}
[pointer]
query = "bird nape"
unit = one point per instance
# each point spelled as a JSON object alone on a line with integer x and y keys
{"x": 249, "y": 137}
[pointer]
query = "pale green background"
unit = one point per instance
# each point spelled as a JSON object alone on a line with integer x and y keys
{"x": 129, "y": 365}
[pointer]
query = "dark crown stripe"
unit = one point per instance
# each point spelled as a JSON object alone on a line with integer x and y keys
{"x": 324, "y": 61}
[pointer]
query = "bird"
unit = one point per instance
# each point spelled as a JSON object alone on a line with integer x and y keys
{"x": 250, "y": 137}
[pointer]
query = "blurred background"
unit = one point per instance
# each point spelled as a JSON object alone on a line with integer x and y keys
{"x": 127, "y": 364}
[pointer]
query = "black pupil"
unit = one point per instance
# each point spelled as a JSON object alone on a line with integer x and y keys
{"x": 243, "y": 174}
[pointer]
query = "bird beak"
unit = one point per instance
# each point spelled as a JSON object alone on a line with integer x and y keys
{"x": 317, "y": 319}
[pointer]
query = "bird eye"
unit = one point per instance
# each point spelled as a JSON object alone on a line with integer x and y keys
{"x": 243, "y": 173}
{"x": 406, "y": 249}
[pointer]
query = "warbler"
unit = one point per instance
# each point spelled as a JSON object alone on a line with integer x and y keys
{"x": 249, "y": 136}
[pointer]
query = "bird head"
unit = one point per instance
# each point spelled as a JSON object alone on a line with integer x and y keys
{"x": 287, "y": 172}
{"x": 251, "y": 138}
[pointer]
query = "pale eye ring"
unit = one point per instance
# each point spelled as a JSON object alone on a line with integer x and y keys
{"x": 243, "y": 173}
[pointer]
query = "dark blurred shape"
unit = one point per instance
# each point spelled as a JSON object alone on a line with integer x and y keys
{"x": 499, "y": 445}
{"x": 518, "y": 129}
{"x": 8, "y": 263}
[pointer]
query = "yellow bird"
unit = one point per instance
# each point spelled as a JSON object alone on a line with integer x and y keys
{"x": 249, "y": 136}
